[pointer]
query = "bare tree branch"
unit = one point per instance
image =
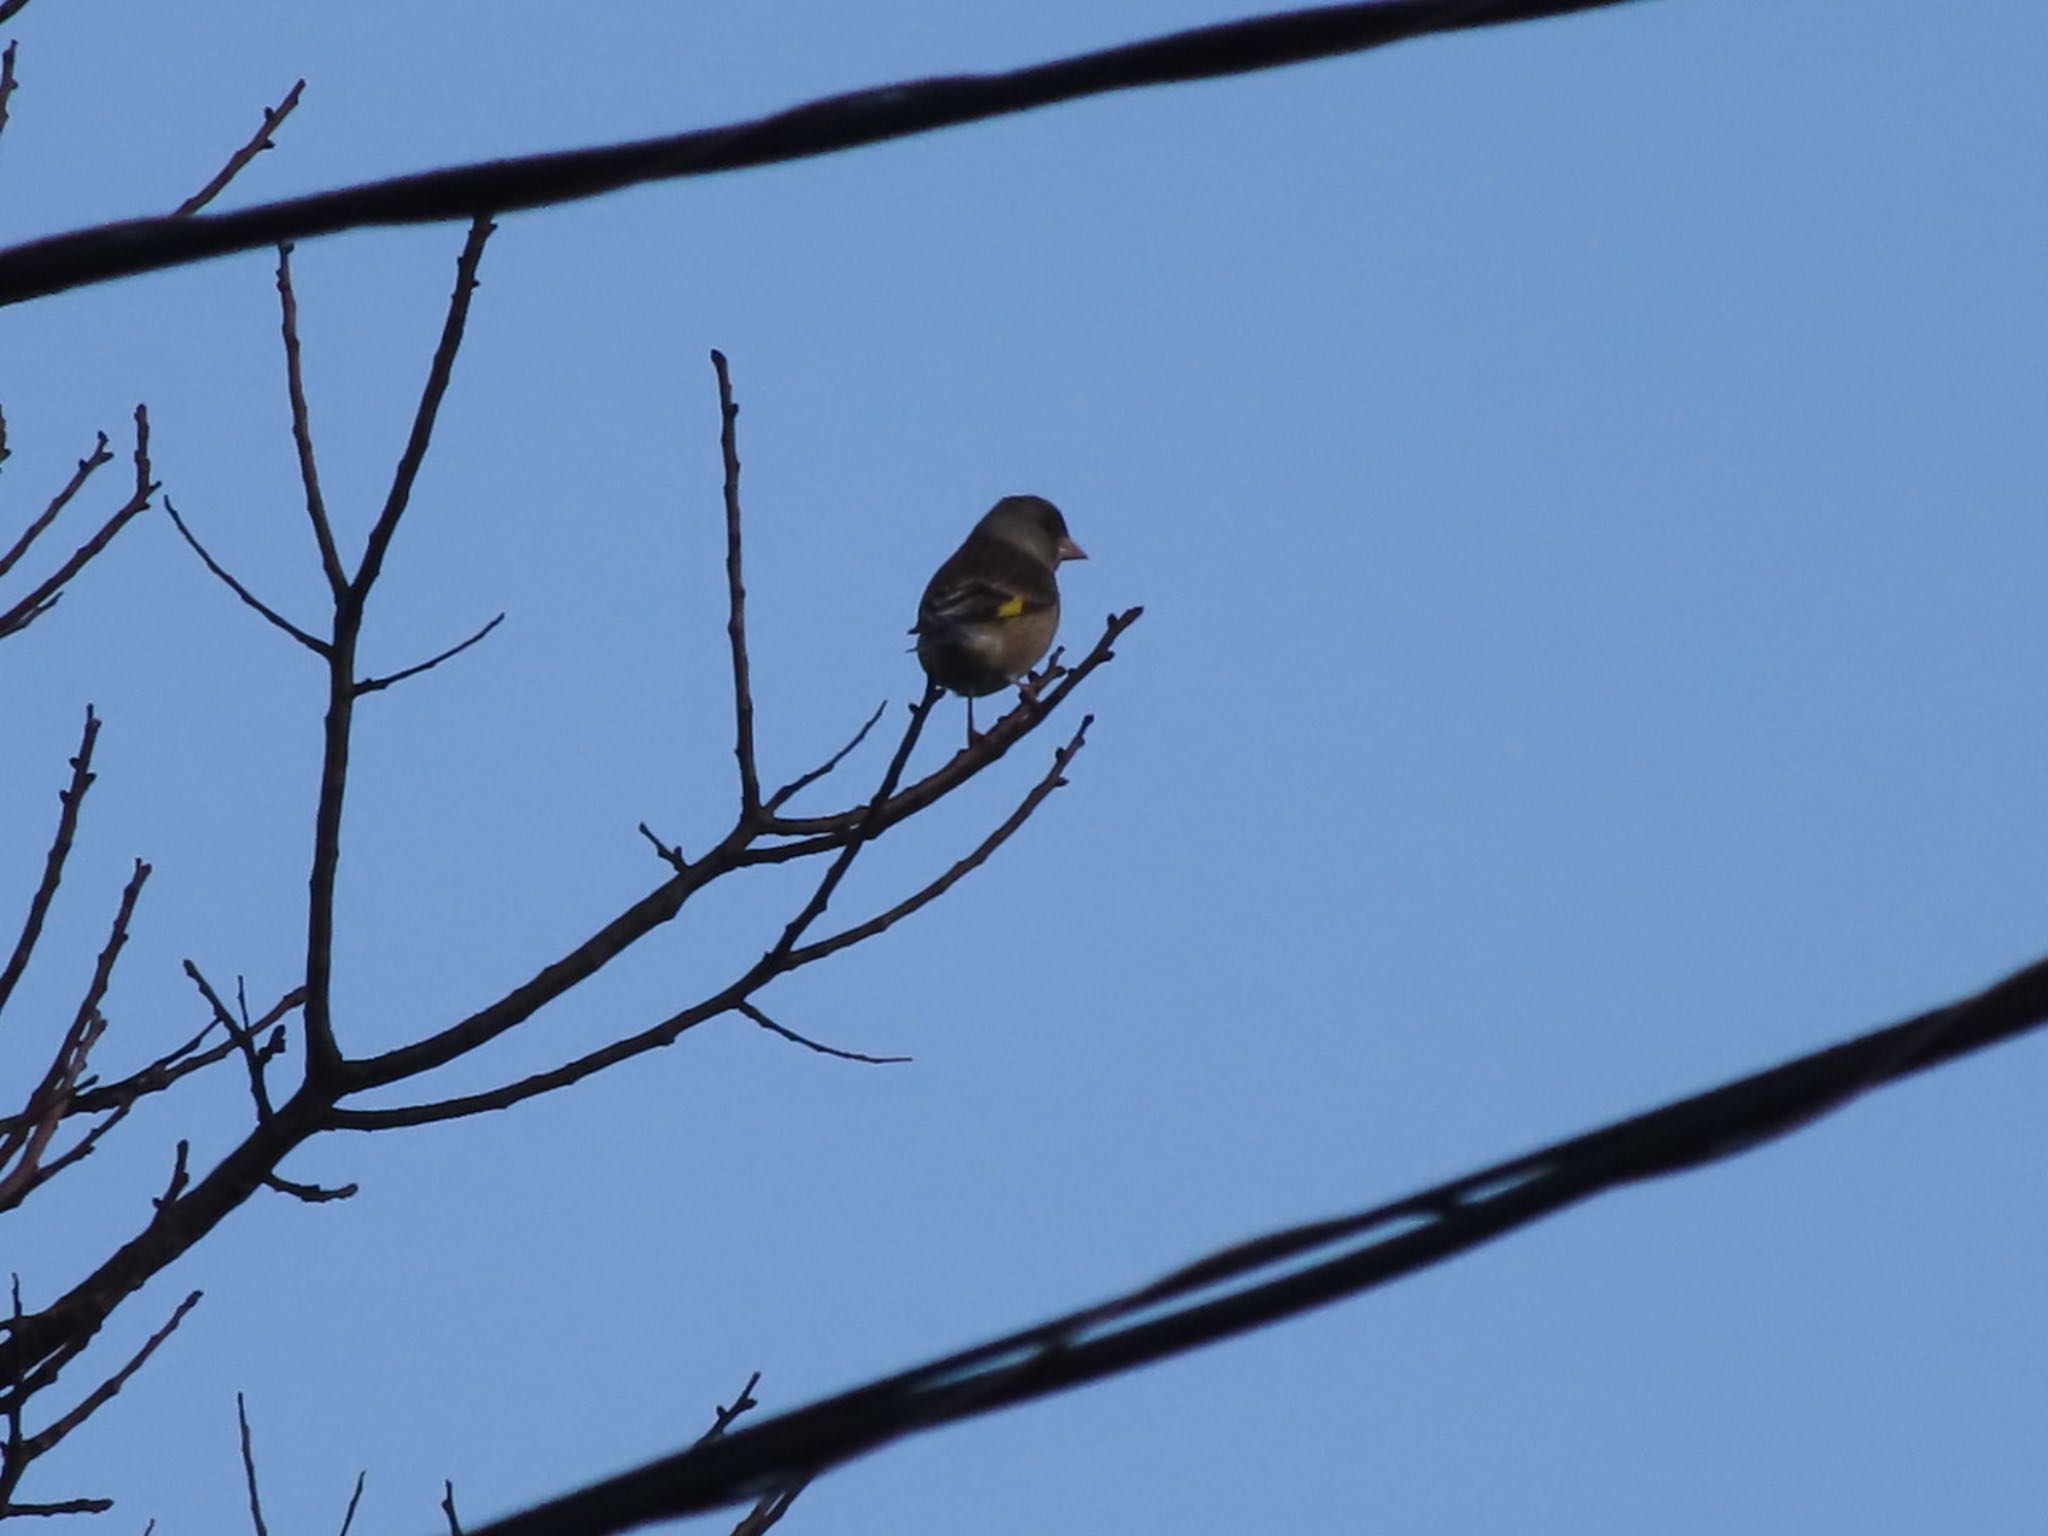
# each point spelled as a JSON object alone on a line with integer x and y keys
{"x": 323, "y": 1055}
{"x": 1286, "y": 1273}
{"x": 722, "y": 1419}
{"x": 311, "y": 642}
{"x": 803, "y": 781}
{"x": 59, "y": 262}
{"x": 349, "y": 1518}
{"x": 70, "y": 799}
{"x": 375, "y": 684}
{"x": 272, "y": 116}
{"x": 48, "y": 1439}
{"x": 249, "y": 1469}
{"x": 39, "y": 601}
{"x": 736, "y": 597}
{"x": 7, "y": 80}
{"x": 92, "y": 461}
{"x": 448, "y": 1508}
{"x": 302, "y": 428}
{"x": 762, "y": 1019}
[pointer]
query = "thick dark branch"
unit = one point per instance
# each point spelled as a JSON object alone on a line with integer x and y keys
{"x": 69, "y": 799}
{"x": 92, "y": 461}
{"x": 9, "y": 9}
{"x": 311, "y": 642}
{"x": 60, "y": 1507}
{"x": 25, "y": 612}
{"x": 272, "y": 116}
{"x": 1289, "y": 1272}
{"x": 376, "y": 684}
{"x": 736, "y": 597}
{"x": 762, "y": 1019}
{"x": 302, "y": 428}
{"x": 823, "y": 127}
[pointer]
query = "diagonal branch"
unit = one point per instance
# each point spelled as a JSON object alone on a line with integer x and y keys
{"x": 70, "y": 799}
{"x": 1055, "y": 778}
{"x": 376, "y": 684}
{"x": 762, "y": 1019}
{"x": 1287, "y": 1273}
{"x": 92, "y": 461}
{"x": 259, "y": 142}
{"x": 38, "y": 602}
{"x": 804, "y": 781}
{"x": 823, "y": 127}
{"x": 47, "y": 1439}
{"x": 311, "y": 642}
{"x": 415, "y": 454}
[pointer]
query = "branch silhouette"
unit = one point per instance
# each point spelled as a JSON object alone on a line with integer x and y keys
{"x": 1285, "y": 1273}
{"x": 902, "y": 110}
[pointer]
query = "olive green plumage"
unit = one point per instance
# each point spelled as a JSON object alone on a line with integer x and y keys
{"x": 989, "y": 613}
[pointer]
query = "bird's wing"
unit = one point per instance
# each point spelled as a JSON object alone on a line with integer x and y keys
{"x": 1003, "y": 584}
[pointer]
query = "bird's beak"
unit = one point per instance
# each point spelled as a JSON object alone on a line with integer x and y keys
{"x": 1069, "y": 550}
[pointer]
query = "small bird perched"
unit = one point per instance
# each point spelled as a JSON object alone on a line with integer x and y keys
{"x": 990, "y": 611}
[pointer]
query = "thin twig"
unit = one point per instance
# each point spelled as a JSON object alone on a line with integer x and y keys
{"x": 724, "y": 1416}
{"x": 249, "y": 1469}
{"x": 7, "y": 84}
{"x": 374, "y": 684}
{"x": 671, "y": 854}
{"x": 302, "y": 427}
{"x": 736, "y": 596}
{"x": 448, "y": 1508}
{"x": 311, "y": 642}
{"x": 422, "y": 433}
{"x": 272, "y": 116}
{"x": 1054, "y": 779}
{"x": 48, "y": 1438}
{"x": 349, "y": 1518}
{"x": 39, "y": 601}
{"x": 1023, "y": 718}
{"x": 100, "y": 455}
{"x": 770, "y": 1509}
{"x": 312, "y": 1194}
{"x": 804, "y": 780}
{"x": 762, "y": 1019}
{"x": 70, "y": 799}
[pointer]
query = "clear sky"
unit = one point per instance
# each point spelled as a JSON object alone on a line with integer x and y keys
{"x": 1587, "y": 487}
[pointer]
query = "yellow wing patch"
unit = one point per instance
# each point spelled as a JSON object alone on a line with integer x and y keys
{"x": 1011, "y": 608}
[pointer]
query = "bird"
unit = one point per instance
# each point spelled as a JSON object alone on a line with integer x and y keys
{"x": 989, "y": 612}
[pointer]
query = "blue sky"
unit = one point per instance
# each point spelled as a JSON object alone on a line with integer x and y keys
{"x": 1585, "y": 482}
